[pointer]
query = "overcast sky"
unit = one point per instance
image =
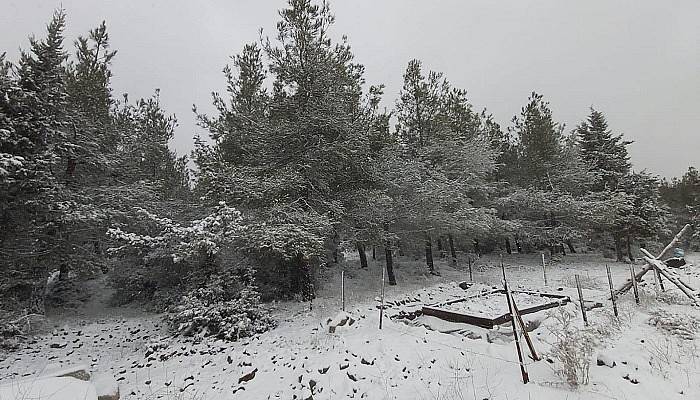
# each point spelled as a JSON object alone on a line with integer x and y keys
{"x": 637, "y": 61}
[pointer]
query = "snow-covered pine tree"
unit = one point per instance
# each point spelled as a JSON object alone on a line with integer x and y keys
{"x": 448, "y": 156}
{"x": 604, "y": 153}
{"x": 296, "y": 155}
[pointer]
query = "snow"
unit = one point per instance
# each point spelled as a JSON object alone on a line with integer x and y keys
{"x": 49, "y": 389}
{"x": 424, "y": 358}
{"x": 494, "y": 305}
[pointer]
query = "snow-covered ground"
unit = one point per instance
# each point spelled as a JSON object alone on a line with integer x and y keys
{"x": 651, "y": 354}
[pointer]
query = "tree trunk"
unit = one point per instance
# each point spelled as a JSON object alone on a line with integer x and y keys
{"x": 477, "y": 250}
{"x": 570, "y": 245}
{"x": 563, "y": 251}
{"x": 63, "y": 271}
{"x": 336, "y": 242}
{"x": 374, "y": 252}
{"x": 389, "y": 265}
{"x": 306, "y": 286}
{"x": 363, "y": 255}
{"x": 618, "y": 248}
{"x": 508, "y": 249}
{"x": 453, "y": 253}
{"x": 37, "y": 298}
{"x": 429, "y": 253}
{"x": 629, "y": 249}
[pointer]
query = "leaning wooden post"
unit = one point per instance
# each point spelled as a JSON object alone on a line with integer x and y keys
{"x": 612, "y": 291}
{"x": 658, "y": 279}
{"x": 580, "y": 299}
{"x": 664, "y": 253}
{"x": 523, "y": 328}
{"x": 523, "y": 372}
{"x": 544, "y": 270}
{"x": 634, "y": 284}
{"x": 381, "y": 307}
{"x": 342, "y": 287}
{"x": 671, "y": 277}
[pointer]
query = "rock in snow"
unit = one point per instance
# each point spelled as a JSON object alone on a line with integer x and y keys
{"x": 248, "y": 376}
{"x": 341, "y": 319}
{"x": 603, "y": 359}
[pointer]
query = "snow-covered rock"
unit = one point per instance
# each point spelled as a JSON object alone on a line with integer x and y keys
{"x": 341, "y": 319}
{"x": 604, "y": 359}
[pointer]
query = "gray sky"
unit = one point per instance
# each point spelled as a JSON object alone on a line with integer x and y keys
{"x": 637, "y": 61}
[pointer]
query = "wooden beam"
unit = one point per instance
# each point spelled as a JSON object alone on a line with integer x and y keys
{"x": 664, "y": 253}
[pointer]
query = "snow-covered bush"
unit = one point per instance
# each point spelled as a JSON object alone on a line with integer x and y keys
{"x": 10, "y": 334}
{"x": 196, "y": 269}
{"x": 572, "y": 347}
{"x": 220, "y": 310}
{"x": 683, "y": 326}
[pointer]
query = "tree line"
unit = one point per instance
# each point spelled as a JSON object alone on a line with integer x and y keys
{"x": 300, "y": 162}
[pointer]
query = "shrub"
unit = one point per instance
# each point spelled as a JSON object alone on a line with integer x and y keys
{"x": 222, "y": 310}
{"x": 572, "y": 348}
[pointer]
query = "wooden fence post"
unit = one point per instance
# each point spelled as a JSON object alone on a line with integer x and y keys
{"x": 342, "y": 287}
{"x": 580, "y": 299}
{"x": 471, "y": 278}
{"x": 523, "y": 372}
{"x": 634, "y": 284}
{"x": 381, "y": 307}
{"x": 544, "y": 270}
{"x": 612, "y": 291}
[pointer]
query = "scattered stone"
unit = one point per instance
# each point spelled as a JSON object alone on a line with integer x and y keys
{"x": 248, "y": 376}
{"x": 603, "y": 359}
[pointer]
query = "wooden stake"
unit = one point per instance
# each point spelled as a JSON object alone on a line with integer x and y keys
{"x": 658, "y": 279}
{"x": 580, "y": 299}
{"x": 469, "y": 258}
{"x": 612, "y": 291}
{"x": 342, "y": 287}
{"x": 523, "y": 372}
{"x": 544, "y": 270}
{"x": 522, "y": 327}
{"x": 634, "y": 284}
{"x": 381, "y": 307}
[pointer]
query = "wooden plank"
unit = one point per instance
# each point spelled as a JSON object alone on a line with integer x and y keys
{"x": 485, "y": 322}
{"x": 668, "y": 271}
{"x": 675, "y": 280}
{"x": 459, "y": 317}
{"x": 664, "y": 254}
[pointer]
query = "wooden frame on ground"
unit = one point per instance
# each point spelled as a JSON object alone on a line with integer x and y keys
{"x": 436, "y": 310}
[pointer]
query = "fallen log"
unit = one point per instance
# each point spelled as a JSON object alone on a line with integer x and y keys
{"x": 674, "y": 279}
{"x": 664, "y": 254}
{"x": 666, "y": 271}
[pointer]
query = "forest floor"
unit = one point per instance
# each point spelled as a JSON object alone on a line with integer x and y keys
{"x": 651, "y": 352}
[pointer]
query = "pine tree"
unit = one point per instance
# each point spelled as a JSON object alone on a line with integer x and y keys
{"x": 296, "y": 155}
{"x": 539, "y": 142}
{"x": 604, "y": 153}
{"x": 447, "y": 147}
